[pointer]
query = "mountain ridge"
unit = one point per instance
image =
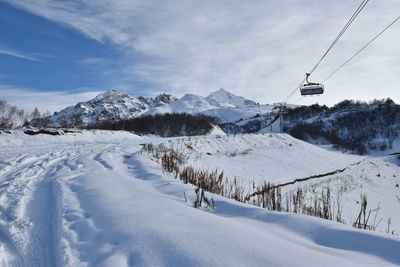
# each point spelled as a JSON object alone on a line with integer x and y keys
{"x": 110, "y": 105}
{"x": 114, "y": 105}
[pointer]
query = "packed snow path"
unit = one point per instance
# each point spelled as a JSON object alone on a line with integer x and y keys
{"x": 101, "y": 203}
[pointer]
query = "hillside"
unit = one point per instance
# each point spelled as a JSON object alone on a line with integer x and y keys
{"x": 254, "y": 159}
{"x": 95, "y": 199}
{"x": 275, "y": 158}
{"x": 355, "y": 126}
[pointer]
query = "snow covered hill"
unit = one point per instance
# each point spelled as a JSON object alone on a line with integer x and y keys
{"x": 276, "y": 158}
{"x": 94, "y": 199}
{"x": 361, "y": 127}
{"x": 253, "y": 159}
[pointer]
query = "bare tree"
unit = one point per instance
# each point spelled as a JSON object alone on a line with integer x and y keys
{"x": 35, "y": 114}
{"x": 10, "y": 116}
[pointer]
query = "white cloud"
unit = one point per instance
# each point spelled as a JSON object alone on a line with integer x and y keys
{"x": 258, "y": 49}
{"x": 28, "y": 99}
{"x": 94, "y": 60}
{"x": 17, "y": 54}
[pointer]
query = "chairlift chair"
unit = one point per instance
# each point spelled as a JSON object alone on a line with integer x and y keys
{"x": 311, "y": 88}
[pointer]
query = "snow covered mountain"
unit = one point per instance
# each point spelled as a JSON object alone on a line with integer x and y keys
{"x": 225, "y": 98}
{"x": 162, "y": 99}
{"x": 222, "y": 104}
{"x": 111, "y": 105}
{"x": 189, "y": 103}
{"x": 114, "y": 105}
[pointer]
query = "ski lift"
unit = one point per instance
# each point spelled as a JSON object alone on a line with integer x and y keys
{"x": 311, "y": 88}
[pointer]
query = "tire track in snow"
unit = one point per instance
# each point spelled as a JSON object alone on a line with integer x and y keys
{"x": 44, "y": 248}
{"x": 9, "y": 255}
{"x": 17, "y": 189}
{"x": 46, "y": 209}
{"x": 29, "y": 207}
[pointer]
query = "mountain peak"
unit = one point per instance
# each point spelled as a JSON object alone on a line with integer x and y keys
{"x": 110, "y": 105}
{"x": 161, "y": 99}
{"x": 225, "y": 97}
{"x": 221, "y": 90}
{"x": 110, "y": 94}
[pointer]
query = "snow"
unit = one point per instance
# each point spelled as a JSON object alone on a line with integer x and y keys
{"x": 234, "y": 114}
{"x": 189, "y": 103}
{"x": 19, "y": 139}
{"x": 114, "y": 105}
{"x": 221, "y": 104}
{"x": 224, "y": 97}
{"x": 280, "y": 158}
{"x": 374, "y": 178}
{"x": 93, "y": 199}
{"x": 276, "y": 158}
{"x": 110, "y": 105}
{"x": 216, "y": 130}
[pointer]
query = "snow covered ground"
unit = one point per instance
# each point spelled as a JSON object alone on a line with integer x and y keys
{"x": 93, "y": 199}
{"x": 280, "y": 158}
{"x": 276, "y": 158}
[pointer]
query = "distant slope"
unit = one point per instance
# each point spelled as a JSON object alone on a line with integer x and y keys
{"x": 189, "y": 103}
{"x": 221, "y": 104}
{"x": 226, "y": 98}
{"x": 114, "y": 105}
{"x": 355, "y": 126}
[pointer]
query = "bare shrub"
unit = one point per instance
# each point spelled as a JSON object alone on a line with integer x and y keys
{"x": 201, "y": 198}
{"x": 267, "y": 195}
{"x": 363, "y": 217}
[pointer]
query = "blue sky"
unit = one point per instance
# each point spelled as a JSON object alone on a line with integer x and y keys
{"x": 44, "y": 55}
{"x": 54, "y": 53}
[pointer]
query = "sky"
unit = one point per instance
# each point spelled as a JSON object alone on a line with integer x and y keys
{"x": 54, "y": 53}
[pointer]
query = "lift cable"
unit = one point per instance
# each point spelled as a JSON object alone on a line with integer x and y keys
{"x": 361, "y": 49}
{"x": 349, "y": 22}
{"x": 353, "y": 17}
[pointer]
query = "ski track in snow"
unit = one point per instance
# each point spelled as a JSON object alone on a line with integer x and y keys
{"x": 30, "y": 203}
{"x": 88, "y": 205}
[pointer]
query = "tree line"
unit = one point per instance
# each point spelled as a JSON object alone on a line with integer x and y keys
{"x": 11, "y": 116}
{"x": 165, "y": 125}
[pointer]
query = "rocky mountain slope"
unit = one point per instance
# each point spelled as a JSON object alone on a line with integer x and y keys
{"x": 111, "y": 105}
